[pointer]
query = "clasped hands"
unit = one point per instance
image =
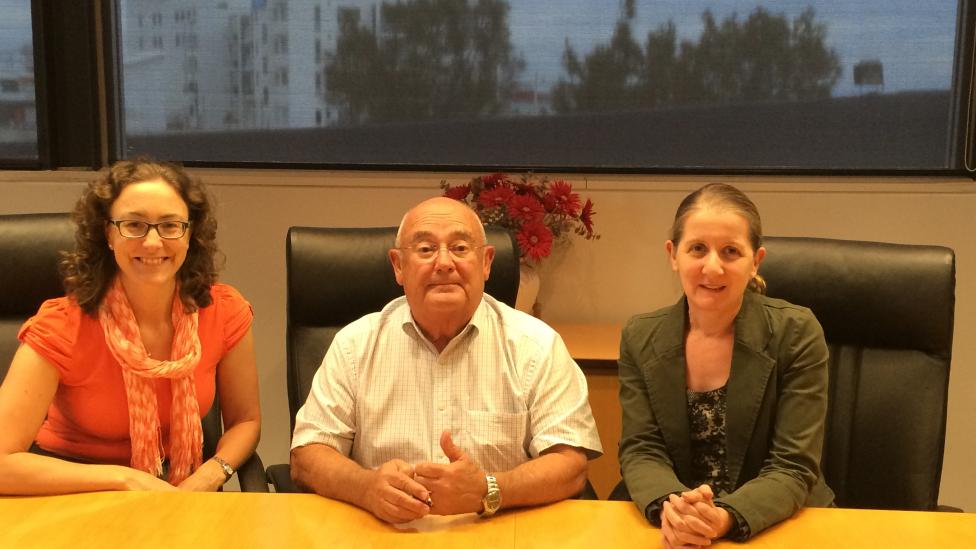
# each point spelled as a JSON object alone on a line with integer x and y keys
{"x": 400, "y": 492}
{"x": 692, "y": 520}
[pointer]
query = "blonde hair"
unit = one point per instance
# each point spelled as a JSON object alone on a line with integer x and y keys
{"x": 725, "y": 197}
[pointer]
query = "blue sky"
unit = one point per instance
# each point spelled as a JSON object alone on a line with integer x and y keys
{"x": 15, "y": 24}
{"x": 914, "y": 39}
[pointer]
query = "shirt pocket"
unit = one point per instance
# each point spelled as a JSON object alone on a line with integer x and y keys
{"x": 497, "y": 439}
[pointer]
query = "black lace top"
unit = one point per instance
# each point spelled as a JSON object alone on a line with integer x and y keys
{"x": 706, "y": 422}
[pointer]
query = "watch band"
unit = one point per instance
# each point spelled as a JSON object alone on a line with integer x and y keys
{"x": 493, "y": 499}
{"x": 228, "y": 470}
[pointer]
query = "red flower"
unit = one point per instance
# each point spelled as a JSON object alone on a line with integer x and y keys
{"x": 496, "y": 196}
{"x": 563, "y": 199}
{"x": 525, "y": 208}
{"x": 535, "y": 241}
{"x": 457, "y": 193}
{"x": 493, "y": 180}
{"x": 586, "y": 217}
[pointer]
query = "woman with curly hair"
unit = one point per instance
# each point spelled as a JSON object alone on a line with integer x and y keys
{"x": 108, "y": 386}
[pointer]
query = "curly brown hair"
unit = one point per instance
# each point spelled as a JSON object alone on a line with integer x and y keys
{"x": 88, "y": 271}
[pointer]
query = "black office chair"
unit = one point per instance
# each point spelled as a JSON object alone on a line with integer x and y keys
{"x": 887, "y": 314}
{"x": 30, "y": 247}
{"x": 29, "y": 251}
{"x": 338, "y": 275}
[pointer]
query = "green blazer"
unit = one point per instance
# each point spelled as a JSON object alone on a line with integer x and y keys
{"x": 776, "y": 403}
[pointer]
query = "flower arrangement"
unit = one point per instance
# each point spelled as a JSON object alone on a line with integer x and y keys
{"x": 536, "y": 210}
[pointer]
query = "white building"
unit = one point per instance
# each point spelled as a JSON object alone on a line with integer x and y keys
{"x": 18, "y": 110}
{"x": 235, "y": 64}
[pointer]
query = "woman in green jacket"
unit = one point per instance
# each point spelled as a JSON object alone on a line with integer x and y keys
{"x": 724, "y": 394}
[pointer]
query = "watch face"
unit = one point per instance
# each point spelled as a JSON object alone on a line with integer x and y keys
{"x": 228, "y": 470}
{"x": 493, "y": 500}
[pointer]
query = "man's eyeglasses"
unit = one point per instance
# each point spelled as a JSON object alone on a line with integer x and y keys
{"x": 426, "y": 251}
{"x": 130, "y": 228}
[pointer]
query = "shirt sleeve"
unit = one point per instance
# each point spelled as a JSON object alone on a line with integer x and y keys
{"x": 52, "y": 332}
{"x": 236, "y": 314}
{"x": 559, "y": 406}
{"x": 329, "y": 414}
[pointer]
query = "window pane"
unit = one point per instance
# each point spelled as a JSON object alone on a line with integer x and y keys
{"x": 632, "y": 84}
{"x": 18, "y": 111}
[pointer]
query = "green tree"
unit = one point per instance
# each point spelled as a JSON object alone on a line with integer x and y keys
{"x": 430, "y": 59}
{"x": 764, "y": 58}
{"x": 608, "y": 78}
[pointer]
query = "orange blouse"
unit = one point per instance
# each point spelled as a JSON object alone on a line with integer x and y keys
{"x": 88, "y": 417}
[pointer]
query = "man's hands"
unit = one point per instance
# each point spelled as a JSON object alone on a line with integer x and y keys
{"x": 394, "y": 496}
{"x": 398, "y": 492}
{"x": 692, "y": 520}
{"x": 457, "y": 487}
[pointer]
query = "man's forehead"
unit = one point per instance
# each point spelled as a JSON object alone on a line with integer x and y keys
{"x": 441, "y": 220}
{"x": 420, "y": 233}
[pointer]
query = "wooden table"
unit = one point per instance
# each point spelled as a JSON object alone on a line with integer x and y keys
{"x": 240, "y": 521}
{"x": 593, "y": 346}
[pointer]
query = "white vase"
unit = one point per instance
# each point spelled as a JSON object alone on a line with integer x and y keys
{"x": 528, "y": 290}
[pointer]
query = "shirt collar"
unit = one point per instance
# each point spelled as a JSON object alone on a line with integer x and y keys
{"x": 475, "y": 325}
{"x": 751, "y": 326}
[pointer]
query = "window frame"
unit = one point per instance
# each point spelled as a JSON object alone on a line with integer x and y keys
{"x": 80, "y": 107}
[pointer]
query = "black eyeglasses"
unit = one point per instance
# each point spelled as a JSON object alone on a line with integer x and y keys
{"x": 130, "y": 228}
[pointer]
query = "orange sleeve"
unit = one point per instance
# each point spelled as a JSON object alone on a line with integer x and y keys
{"x": 235, "y": 313}
{"x": 52, "y": 333}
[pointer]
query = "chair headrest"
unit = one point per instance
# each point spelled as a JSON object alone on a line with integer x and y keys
{"x": 336, "y": 275}
{"x": 869, "y": 294}
{"x": 30, "y": 246}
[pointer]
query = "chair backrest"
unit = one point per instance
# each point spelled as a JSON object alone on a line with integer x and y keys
{"x": 30, "y": 248}
{"x": 336, "y": 275}
{"x": 887, "y": 313}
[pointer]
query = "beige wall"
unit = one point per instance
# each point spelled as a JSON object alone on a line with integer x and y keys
{"x": 603, "y": 281}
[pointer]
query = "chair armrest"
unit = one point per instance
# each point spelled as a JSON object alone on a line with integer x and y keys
{"x": 280, "y": 477}
{"x": 620, "y": 492}
{"x": 251, "y": 475}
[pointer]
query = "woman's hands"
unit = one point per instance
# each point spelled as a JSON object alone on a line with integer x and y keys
{"x": 207, "y": 478}
{"x": 127, "y": 478}
{"x": 692, "y": 520}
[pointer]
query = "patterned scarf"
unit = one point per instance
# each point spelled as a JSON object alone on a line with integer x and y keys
{"x": 139, "y": 370}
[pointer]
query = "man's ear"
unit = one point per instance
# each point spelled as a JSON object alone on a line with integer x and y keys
{"x": 489, "y": 257}
{"x": 395, "y": 259}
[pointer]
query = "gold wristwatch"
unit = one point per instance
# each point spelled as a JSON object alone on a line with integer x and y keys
{"x": 493, "y": 499}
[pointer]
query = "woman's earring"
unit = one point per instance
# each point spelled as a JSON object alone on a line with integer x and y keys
{"x": 111, "y": 247}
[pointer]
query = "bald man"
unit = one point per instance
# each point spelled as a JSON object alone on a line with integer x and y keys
{"x": 446, "y": 401}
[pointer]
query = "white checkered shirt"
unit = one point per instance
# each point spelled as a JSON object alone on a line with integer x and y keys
{"x": 505, "y": 387}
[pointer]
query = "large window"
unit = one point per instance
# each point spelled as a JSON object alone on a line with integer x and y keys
{"x": 787, "y": 86}
{"x": 579, "y": 84}
{"x": 18, "y": 111}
